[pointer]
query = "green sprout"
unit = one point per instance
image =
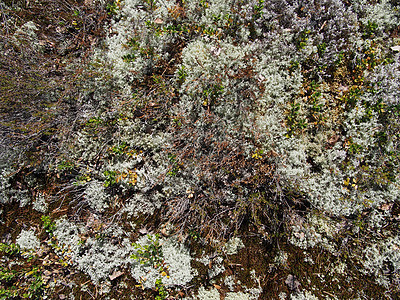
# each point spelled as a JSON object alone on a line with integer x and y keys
{"x": 150, "y": 254}
{"x": 10, "y": 249}
{"x": 48, "y": 224}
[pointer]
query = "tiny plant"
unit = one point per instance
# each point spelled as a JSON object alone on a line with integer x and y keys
{"x": 370, "y": 30}
{"x": 65, "y": 166}
{"x": 93, "y": 122}
{"x": 112, "y": 8}
{"x": 162, "y": 292}
{"x": 258, "y": 9}
{"x": 9, "y": 249}
{"x": 32, "y": 286}
{"x": 48, "y": 224}
{"x": 321, "y": 49}
{"x": 7, "y": 275}
{"x": 174, "y": 165}
{"x": 302, "y": 39}
{"x": 110, "y": 178}
{"x": 182, "y": 74}
{"x": 150, "y": 254}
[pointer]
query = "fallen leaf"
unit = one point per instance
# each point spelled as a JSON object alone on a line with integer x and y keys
{"x": 386, "y": 206}
{"x": 115, "y": 275}
{"x": 218, "y": 287}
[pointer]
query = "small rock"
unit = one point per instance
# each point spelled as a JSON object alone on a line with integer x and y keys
{"x": 62, "y": 296}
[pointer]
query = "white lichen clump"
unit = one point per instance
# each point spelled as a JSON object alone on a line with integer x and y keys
{"x": 237, "y": 296}
{"x": 316, "y": 230}
{"x": 4, "y": 186}
{"x": 26, "y": 36}
{"x": 97, "y": 256}
{"x": 383, "y": 260}
{"x": 211, "y": 294}
{"x": 28, "y": 240}
{"x": 96, "y": 195}
{"x": 304, "y": 295}
{"x": 40, "y": 204}
{"x": 175, "y": 258}
{"x": 233, "y": 246}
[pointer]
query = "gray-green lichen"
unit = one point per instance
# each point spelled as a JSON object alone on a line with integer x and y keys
{"x": 204, "y": 294}
{"x": 233, "y": 246}
{"x": 304, "y": 94}
{"x": 303, "y": 295}
{"x": 26, "y": 37}
{"x": 39, "y": 204}
{"x": 97, "y": 256}
{"x": 382, "y": 259}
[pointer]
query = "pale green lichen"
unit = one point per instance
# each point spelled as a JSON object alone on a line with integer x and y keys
{"x": 229, "y": 281}
{"x": 26, "y": 36}
{"x": 382, "y": 259}
{"x": 5, "y": 185}
{"x": 237, "y": 296}
{"x": 233, "y": 246}
{"x": 96, "y": 256}
{"x": 315, "y": 230}
{"x": 303, "y": 295}
{"x": 40, "y": 204}
{"x": 211, "y": 294}
{"x": 96, "y": 196}
{"x": 281, "y": 258}
{"x": 282, "y": 296}
{"x": 217, "y": 267}
{"x": 342, "y": 167}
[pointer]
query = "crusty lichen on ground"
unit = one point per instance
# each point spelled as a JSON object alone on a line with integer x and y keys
{"x": 203, "y": 149}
